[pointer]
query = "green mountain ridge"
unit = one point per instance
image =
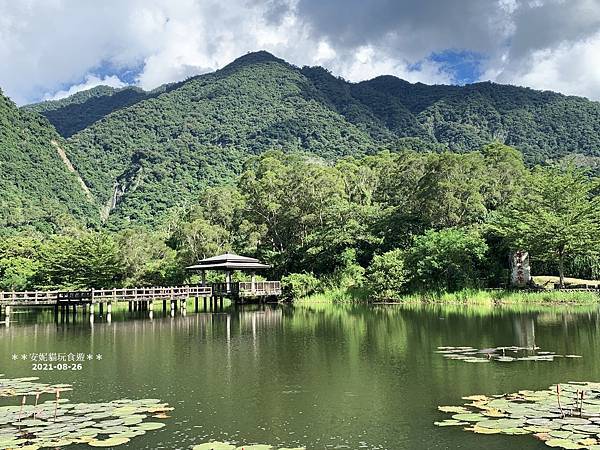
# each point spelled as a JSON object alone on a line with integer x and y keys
{"x": 37, "y": 190}
{"x": 143, "y": 153}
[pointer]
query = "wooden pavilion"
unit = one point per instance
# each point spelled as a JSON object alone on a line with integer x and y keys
{"x": 228, "y": 263}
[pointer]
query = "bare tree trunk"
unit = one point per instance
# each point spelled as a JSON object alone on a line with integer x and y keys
{"x": 561, "y": 268}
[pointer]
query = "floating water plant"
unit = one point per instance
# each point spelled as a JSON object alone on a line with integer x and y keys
{"x": 215, "y": 445}
{"x": 563, "y": 416}
{"x": 501, "y": 354}
{"x": 16, "y": 387}
{"x": 57, "y": 422}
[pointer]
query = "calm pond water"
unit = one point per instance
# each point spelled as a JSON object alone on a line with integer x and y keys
{"x": 320, "y": 376}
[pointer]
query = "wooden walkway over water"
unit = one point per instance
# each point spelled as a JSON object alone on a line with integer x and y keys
{"x": 140, "y": 298}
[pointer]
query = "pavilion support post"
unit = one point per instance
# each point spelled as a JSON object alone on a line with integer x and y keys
{"x": 173, "y": 306}
{"x": 204, "y": 278}
{"x": 130, "y": 306}
{"x": 74, "y": 309}
{"x": 91, "y": 310}
{"x": 109, "y": 308}
{"x": 253, "y": 282}
{"x": 150, "y": 309}
{"x": 101, "y": 306}
{"x": 196, "y": 304}
{"x": 221, "y": 303}
{"x": 164, "y": 306}
{"x": 227, "y": 281}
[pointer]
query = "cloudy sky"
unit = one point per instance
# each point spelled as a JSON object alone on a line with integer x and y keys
{"x": 51, "y": 48}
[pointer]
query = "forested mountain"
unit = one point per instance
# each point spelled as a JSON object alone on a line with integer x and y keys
{"x": 543, "y": 125}
{"x": 143, "y": 159}
{"x": 36, "y": 188}
{"x": 142, "y": 153}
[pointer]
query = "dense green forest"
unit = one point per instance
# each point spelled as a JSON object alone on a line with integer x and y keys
{"x": 144, "y": 153}
{"x": 381, "y": 183}
{"x": 36, "y": 189}
{"x": 398, "y": 222}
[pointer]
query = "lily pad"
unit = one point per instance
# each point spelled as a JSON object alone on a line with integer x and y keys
{"x": 214, "y": 446}
{"x": 110, "y": 442}
{"x": 57, "y": 423}
{"x": 562, "y": 416}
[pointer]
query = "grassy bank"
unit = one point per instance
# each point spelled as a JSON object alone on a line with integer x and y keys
{"x": 471, "y": 296}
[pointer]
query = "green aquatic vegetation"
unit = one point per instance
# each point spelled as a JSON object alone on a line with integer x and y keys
{"x": 215, "y": 445}
{"x": 562, "y": 416}
{"x": 501, "y": 354}
{"x": 35, "y": 424}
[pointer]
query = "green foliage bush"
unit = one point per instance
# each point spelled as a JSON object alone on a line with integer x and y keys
{"x": 386, "y": 276}
{"x": 447, "y": 260}
{"x": 298, "y": 285}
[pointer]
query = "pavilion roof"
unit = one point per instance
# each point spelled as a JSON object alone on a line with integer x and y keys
{"x": 228, "y": 261}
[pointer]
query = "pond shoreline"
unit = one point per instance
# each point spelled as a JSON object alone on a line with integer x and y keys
{"x": 464, "y": 297}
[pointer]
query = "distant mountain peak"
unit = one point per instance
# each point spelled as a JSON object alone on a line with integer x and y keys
{"x": 250, "y": 58}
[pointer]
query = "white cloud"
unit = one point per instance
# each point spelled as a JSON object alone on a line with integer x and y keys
{"x": 89, "y": 82}
{"x": 49, "y": 44}
{"x": 367, "y": 62}
{"x": 53, "y": 43}
{"x": 571, "y": 68}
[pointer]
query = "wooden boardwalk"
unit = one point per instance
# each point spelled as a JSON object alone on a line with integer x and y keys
{"x": 139, "y": 298}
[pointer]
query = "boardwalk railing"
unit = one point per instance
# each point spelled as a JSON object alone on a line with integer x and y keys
{"x": 29, "y": 297}
{"x": 42, "y": 298}
{"x": 151, "y": 293}
{"x": 245, "y": 289}
{"x": 92, "y": 296}
{"x": 260, "y": 288}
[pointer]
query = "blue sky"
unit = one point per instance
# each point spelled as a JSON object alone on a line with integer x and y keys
{"x": 57, "y": 47}
{"x": 465, "y": 66}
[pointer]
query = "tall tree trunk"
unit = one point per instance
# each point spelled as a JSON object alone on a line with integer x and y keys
{"x": 561, "y": 268}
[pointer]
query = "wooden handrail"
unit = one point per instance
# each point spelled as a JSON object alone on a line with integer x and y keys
{"x": 258, "y": 288}
{"x": 98, "y": 295}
